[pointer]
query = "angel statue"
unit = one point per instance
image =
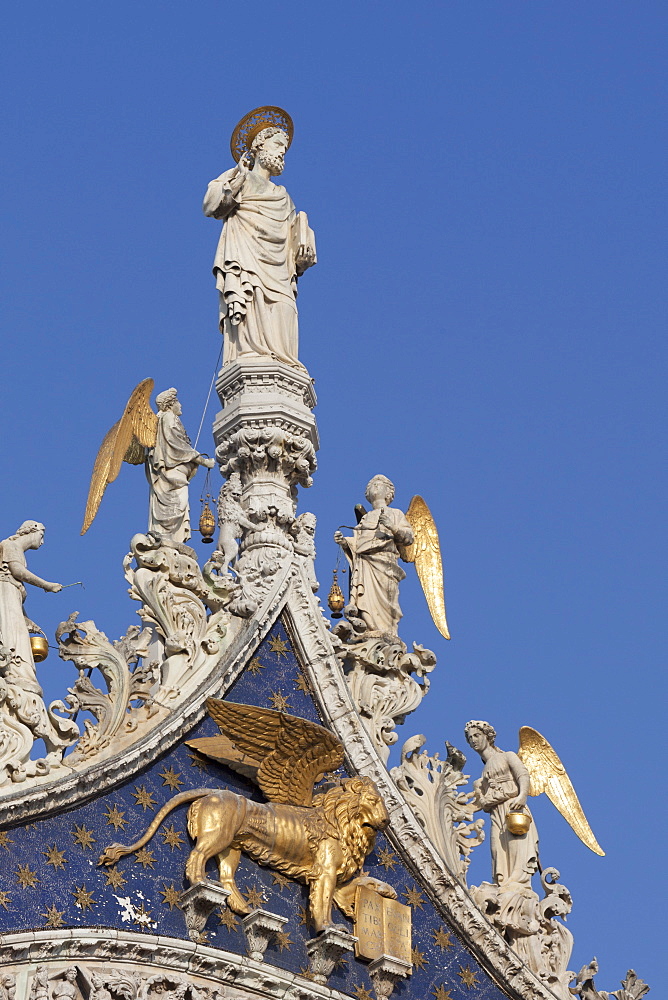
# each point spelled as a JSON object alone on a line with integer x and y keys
{"x": 507, "y": 780}
{"x": 320, "y": 837}
{"x": 24, "y": 717}
{"x": 382, "y": 536}
{"x": 265, "y": 245}
{"x": 160, "y": 442}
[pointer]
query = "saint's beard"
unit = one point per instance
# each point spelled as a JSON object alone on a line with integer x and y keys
{"x": 273, "y": 162}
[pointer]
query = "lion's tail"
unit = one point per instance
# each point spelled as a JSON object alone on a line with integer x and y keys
{"x": 116, "y": 851}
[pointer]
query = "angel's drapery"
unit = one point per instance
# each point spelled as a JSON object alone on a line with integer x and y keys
{"x": 513, "y": 858}
{"x": 375, "y": 572}
{"x": 255, "y": 267}
{"x": 169, "y": 468}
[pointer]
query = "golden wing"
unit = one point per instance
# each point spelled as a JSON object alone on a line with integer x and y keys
{"x": 284, "y": 754}
{"x": 548, "y": 775}
{"x": 425, "y": 552}
{"x": 125, "y": 442}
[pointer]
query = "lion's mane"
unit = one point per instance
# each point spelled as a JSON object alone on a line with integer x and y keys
{"x": 341, "y": 807}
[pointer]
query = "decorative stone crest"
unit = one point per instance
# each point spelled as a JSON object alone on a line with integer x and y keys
{"x": 385, "y": 680}
{"x": 430, "y": 785}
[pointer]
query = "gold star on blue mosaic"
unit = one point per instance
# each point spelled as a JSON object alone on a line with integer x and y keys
{"x": 255, "y": 666}
{"x": 83, "y": 897}
{"x": 441, "y": 993}
{"x": 115, "y": 817}
{"x": 5, "y": 899}
{"x": 83, "y": 836}
{"x": 197, "y": 761}
{"x": 306, "y": 973}
{"x": 417, "y": 958}
{"x": 142, "y": 916}
{"x": 387, "y": 859}
{"x": 301, "y": 683}
{"x": 26, "y": 877}
{"x": 468, "y": 977}
{"x": 279, "y": 646}
{"x": 55, "y": 857}
{"x": 5, "y": 840}
{"x": 53, "y": 916}
{"x": 362, "y": 993}
{"x": 254, "y": 897}
{"x": 172, "y": 837}
{"x": 145, "y": 858}
{"x": 114, "y": 878}
{"x": 227, "y": 919}
{"x": 442, "y": 938}
{"x": 413, "y": 897}
{"x": 283, "y": 940}
{"x": 278, "y": 701}
{"x": 172, "y": 778}
{"x": 170, "y": 895}
{"x": 280, "y": 880}
{"x": 302, "y": 913}
{"x": 144, "y": 798}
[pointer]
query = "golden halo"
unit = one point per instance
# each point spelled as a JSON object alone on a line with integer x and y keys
{"x": 254, "y": 122}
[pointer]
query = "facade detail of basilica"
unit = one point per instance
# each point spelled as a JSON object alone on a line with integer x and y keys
{"x": 208, "y": 812}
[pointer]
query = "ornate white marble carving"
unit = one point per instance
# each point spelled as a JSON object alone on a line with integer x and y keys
{"x": 175, "y": 599}
{"x": 24, "y": 717}
{"x": 263, "y": 248}
{"x": 385, "y": 973}
{"x": 266, "y": 441}
{"x": 325, "y": 950}
{"x": 198, "y": 902}
{"x": 231, "y": 521}
{"x": 138, "y": 966}
{"x": 430, "y": 785}
{"x": 386, "y": 681}
{"x": 260, "y": 927}
{"x": 88, "y": 649}
{"x": 305, "y": 547}
{"x": 633, "y": 988}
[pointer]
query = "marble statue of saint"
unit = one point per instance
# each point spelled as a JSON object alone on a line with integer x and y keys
{"x": 170, "y": 465}
{"x": 373, "y": 555}
{"x": 264, "y": 246}
{"x": 504, "y": 787}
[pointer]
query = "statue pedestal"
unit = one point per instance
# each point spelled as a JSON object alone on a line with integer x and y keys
{"x": 326, "y": 949}
{"x": 266, "y": 430}
{"x": 198, "y": 903}
{"x": 259, "y": 927}
{"x": 385, "y": 973}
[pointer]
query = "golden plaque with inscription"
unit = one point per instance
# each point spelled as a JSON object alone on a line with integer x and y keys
{"x": 382, "y": 926}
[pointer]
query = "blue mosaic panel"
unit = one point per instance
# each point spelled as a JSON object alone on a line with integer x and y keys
{"x": 50, "y": 876}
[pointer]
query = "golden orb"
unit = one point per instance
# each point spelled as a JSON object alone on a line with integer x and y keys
{"x": 40, "y": 647}
{"x": 207, "y": 524}
{"x": 518, "y": 823}
{"x": 335, "y": 599}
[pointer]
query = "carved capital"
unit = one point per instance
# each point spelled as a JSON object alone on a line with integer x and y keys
{"x": 259, "y": 927}
{"x": 325, "y": 950}
{"x": 386, "y": 972}
{"x": 198, "y": 903}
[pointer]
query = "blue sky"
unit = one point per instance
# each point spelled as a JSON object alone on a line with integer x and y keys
{"x": 486, "y": 325}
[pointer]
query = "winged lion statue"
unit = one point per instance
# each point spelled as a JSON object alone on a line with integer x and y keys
{"x": 318, "y": 837}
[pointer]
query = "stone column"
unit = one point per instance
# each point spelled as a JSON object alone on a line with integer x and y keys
{"x": 267, "y": 435}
